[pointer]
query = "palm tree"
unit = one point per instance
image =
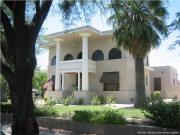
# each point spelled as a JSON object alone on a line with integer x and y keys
{"x": 138, "y": 27}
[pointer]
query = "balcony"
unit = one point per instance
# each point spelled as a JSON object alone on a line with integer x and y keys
{"x": 76, "y": 66}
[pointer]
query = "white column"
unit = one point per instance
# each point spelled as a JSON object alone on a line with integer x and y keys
{"x": 62, "y": 81}
{"x": 78, "y": 81}
{"x": 58, "y": 54}
{"x": 85, "y": 77}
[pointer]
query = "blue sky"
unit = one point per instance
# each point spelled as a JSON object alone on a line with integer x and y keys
{"x": 158, "y": 57}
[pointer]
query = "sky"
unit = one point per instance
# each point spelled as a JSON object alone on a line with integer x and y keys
{"x": 161, "y": 56}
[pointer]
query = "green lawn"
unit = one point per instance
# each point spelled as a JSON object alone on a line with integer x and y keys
{"x": 68, "y": 111}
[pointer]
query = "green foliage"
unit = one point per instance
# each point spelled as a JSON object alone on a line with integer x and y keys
{"x": 6, "y": 107}
{"x": 104, "y": 117}
{"x": 156, "y": 95}
{"x": 45, "y": 111}
{"x": 164, "y": 114}
{"x": 68, "y": 100}
{"x": 110, "y": 100}
{"x": 39, "y": 79}
{"x": 3, "y": 81}
{"x": 97, "y": 100}
{"x": 101, "y": 98}
{"x": 50, "y": 101}
{"x": 139, "y": 25}
{"x": 80, "y": 101}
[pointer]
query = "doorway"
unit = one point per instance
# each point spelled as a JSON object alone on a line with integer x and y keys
{"x": 157, "y": 84}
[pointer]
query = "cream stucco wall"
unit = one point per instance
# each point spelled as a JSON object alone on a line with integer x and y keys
{"x": 125, "y": 66}
{"x": 169, "y": 88}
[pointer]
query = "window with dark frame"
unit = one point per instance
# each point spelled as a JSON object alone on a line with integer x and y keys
{"x": 98, "y": 55}
{"x": 53, "y": 61}
{"x": 146, "y": 80}
{"x": 157, "y": 84}
{"x": 68, "y": 57}
{"x": 111, "y": 86}
{"x": 115, "y": 53}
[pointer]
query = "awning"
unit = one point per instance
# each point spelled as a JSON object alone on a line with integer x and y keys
{"x": 109, "y": 77}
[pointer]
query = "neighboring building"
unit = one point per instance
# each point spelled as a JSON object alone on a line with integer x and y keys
{"x": 86, "y": 61}
{"x": 165, "y": 79}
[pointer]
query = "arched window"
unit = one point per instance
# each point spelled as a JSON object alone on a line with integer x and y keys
{"x": 53, "y": 62}
{"x": 98, "y": 55}
{"x": 79, "y": 55}
{"x": 115, "y": 53}
{"x": 68, "y": 57}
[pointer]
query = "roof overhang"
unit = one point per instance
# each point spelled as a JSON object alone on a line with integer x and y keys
{"x": 83, "y": 28}
{"x": 72, "y": 36}
{"x": 148, "y": 68}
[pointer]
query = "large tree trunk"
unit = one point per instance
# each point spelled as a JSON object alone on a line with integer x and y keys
{"x": 21, "y": 96}
{"x": 19, "y": 53}
{"x": 140, "y": 83}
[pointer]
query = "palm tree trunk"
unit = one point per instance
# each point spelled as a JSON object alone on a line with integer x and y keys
{"x": 140, "y": 86}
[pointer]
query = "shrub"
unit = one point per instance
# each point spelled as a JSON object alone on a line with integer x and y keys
{"x": 6, "y": 107}
{"x": 162, "y": 113}
{"x": 96, "y": 101}
{"x": 101, "y": 98}
{"x": 156, "y": 95}
{"x": 67, "y": 101}
{"x": 80, "y": 101}
{"x": 110, "y": 100}
{"x": 50, "y": 101}
{"x": 45, "y": 111}
{"x": 104, "y": 117}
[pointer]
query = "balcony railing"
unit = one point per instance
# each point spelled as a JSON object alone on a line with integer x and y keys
{"x": 75, "y": 66}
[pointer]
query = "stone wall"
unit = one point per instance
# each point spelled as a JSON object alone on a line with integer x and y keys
{"x": 94, "y": 128}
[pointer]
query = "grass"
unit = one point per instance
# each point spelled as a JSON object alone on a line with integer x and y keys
{"x": 69, "y": 111}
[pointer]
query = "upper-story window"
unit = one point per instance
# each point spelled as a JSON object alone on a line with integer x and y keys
{"x": 53, "y": 61}
{"x": 98, "y": 55}
{"x": 79, "y": 55}
{"x": 68, "y": 57}
{"x": 115, "y": 53}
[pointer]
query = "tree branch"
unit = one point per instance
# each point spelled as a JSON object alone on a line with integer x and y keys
{"x": 9, "y": 4}
{"x": 37, "y": 6}
{"x": 7, "y": 26}
{"x": 6, "y": 72}
{"x": 39, "y": 18}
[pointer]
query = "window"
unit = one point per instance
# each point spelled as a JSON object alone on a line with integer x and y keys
{"x": 53, "y": 62}
{"x": 157, "y": 84}
{"x": 115, "y": 53}
{"x": 146, "y": 80}
{"x": 110, "y": 81}
{"x": 98, "y": 55}
{"x": 111, "y": 86}
{"x": 53, "y": 79}
{"x": 68, "y": 57}
{"x": 79, "y": 55}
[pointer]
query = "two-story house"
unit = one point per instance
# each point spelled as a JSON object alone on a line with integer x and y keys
{"x": 88, "y": 62}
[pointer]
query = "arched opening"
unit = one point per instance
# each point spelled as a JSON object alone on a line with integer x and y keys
{"x": 79, "y": 55}
{"x": 98, "y": 55}
{"x": 115, "y": 53}
{"x": 68, "y": 57}
{"x": 53, "y": 61}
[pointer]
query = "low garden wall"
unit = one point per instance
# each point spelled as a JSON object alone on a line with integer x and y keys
{"x": 93, "y": 128}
